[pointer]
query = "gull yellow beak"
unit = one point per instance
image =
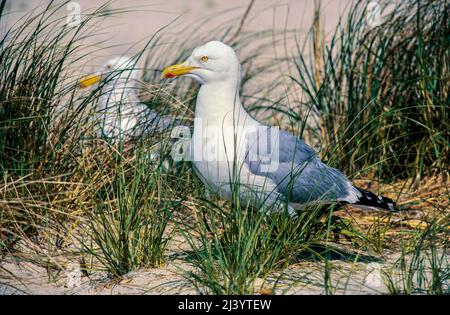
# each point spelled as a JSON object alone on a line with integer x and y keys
{"x": 89, "y": 80}
{"x": 177, "y": 70}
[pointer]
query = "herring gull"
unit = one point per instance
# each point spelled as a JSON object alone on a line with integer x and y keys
{"x": 119, "y": 112}
{"x": 234, "y": 153}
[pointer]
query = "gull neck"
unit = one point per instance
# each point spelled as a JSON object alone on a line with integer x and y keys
{"x": 219, "y": 101}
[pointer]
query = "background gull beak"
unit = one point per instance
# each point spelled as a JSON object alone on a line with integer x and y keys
{"x": 89, "y": 80}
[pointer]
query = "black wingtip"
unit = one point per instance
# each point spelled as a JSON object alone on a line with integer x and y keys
{"x": 371, "y": 200}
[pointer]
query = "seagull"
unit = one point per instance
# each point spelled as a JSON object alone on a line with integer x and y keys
{"x": 235, "y": 155}
{"x": 119, "y": 112}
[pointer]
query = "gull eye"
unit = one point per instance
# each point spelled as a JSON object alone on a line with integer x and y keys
{"x": 204, "y": 59}
{"x": 108, "y": 66}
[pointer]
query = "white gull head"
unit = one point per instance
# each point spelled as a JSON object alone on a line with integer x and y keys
{"x": 210, "y": 63}
{"x": 116, "y": 70}
{"x": 121, "y": 67}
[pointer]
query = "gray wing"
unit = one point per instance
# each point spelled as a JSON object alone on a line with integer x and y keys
{"x": 299, "y": 174}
